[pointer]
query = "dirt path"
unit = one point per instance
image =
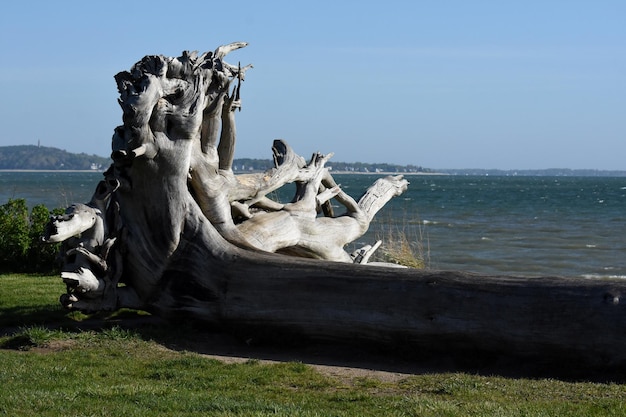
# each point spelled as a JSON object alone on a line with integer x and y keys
{"x": 340, "y": 361}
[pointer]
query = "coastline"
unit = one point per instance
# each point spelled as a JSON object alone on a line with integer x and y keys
{"x": 461, "y": 172}
{"x": 387, "y": 173}
{"x": 236, "y": 172}
{"x": 52, "y": 170}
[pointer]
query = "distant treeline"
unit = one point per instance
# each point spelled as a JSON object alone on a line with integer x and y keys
{"x": 244, "y": 164}
{"x": 32, "y": 157}
{"x": 47, "y": 158}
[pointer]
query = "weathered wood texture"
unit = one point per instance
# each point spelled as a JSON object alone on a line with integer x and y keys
{"x": 188, "y": 237}
{"x": 567, "y": 321}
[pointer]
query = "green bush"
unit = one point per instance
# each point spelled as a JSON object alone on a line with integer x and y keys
{"x": 41, "y": 256}
{"x": 21, "y": 248}
{"x": 14, "y": 228}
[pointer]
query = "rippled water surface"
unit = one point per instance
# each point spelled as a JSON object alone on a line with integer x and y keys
{"x": 572, "y": 226}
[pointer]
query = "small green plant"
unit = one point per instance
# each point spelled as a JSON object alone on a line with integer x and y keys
{"x": 117, "y": 333}
{"x": 31, "y": 336}
{"x": 39, "y": 335}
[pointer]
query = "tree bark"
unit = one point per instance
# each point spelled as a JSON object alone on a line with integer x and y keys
{"x": 570, "y": 322}
{"x": 187, "y": 237}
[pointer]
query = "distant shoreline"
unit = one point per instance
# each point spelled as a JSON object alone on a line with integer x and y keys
{"x": 51, "y": 170}
{"x": 386, "y": 173}
{"x": 236, "y": 172}
{"x": 462, "y": 172}
{"x": 49, "y": 158}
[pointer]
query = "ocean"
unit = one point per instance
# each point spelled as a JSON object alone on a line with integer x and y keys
{"x": 505, "y": 225}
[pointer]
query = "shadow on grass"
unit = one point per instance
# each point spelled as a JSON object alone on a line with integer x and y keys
{"x": 240, "y": 346}
{"x": 16, "y": 317}
{"x": 277, "y": 347}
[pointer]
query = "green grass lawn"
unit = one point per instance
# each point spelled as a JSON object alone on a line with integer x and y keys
{"x": 59, "y": 364}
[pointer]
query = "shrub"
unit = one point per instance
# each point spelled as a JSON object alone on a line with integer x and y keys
{"x": 21, "y": 248}
{"x": 41, "y": 256}
{"x": 14, "y": 233}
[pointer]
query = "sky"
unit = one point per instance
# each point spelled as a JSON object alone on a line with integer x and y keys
{"x": 439, "y": 84}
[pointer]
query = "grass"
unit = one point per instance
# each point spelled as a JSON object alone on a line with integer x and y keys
{"x": 54, "y": 363}
{"x": 405, "y": 245}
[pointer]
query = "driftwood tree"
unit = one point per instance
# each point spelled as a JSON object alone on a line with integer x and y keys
{"x": 172, "y": 230}
{"x": 171, "y": 185}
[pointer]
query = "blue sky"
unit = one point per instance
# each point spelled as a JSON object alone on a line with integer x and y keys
{"x": 441, "y": 84}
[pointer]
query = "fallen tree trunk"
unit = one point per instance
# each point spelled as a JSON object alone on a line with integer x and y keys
{"x": 562, "y": 322}
{"x": 172, "y": 230}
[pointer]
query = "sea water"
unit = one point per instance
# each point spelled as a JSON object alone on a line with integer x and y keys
{"x": 54, "y": 189}
{"x": 515, "y": 225}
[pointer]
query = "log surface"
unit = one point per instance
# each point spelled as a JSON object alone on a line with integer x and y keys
{"x": 550, "y": 318}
